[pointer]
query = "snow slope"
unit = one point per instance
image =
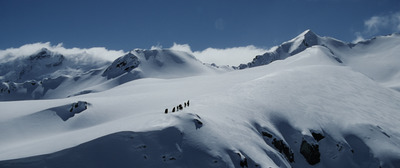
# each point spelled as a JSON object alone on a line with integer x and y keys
{"x": 292, "y": 47}
{"x": 308, "y": 110}
{"x": 377, "y": 58}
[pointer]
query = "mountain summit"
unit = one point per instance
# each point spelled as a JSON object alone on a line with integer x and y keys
{"x": 292, "y": 47}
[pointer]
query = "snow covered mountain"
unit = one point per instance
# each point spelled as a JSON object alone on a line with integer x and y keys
{"x": 46, "y": 74}
{"x": 298, "y": 44}
{"x": 377, "y": 58}
{"x": 318, "y": 102}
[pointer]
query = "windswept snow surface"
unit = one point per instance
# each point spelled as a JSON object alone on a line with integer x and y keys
{"x": 308, "y": 110}
{"x": 377, "y": 58}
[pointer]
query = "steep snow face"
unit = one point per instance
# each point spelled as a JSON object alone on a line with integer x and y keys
{"x": 301, "y": 42}
{"x": 306, "y": 110}
{"x": 292, "y": 47}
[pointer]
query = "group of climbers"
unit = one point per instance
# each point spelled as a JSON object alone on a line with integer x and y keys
{"x": 179, "y": 107}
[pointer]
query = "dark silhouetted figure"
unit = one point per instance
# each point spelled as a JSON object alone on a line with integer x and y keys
{"x": 173, "y": 110}
{"x": 184, "y": 104}
{"x": 166, "y": 111}
{"x": 187, "y": 103}
{"x": 180, "y": 107}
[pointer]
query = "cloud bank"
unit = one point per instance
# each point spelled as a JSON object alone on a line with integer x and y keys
{"x": 79, "y": 54}
{"x": 377, "y": 24}
{"x": 228, "y": 56}
{"x": 98, "y": 55}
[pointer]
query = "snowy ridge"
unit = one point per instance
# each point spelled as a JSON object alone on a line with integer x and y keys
{"x": 377, "y": 58}
{"x": 292, "y": 47}
{"x": 45, "y": 64}
{"x": 308, "y": 110}
{"x": 46, "y": 74}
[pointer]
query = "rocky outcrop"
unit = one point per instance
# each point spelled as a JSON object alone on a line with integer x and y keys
{"x": 310, "y": 152}
{"x": 284, "y": 149}
{"x": 280, "y": 145}
{"x": 121, "y": 65}
{"x": 78, "y": 107}
{"x": 46, "y": 57}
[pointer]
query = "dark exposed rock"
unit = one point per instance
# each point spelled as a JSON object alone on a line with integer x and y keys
{"x": 8, "y": 87}
{"x": 317, "y": 136}
{"x": 284, "y": 149}
{"x": 122, "y": 65}
{"x": 339, "y": 147}
{"x": 197, "y": 123}
{"x": 243, "y": 160}
{"x": 266, "y": 134}
{"x": 49, "y": 58}
{"x": 78, "y": 107}
{"x": 310, "y": 152}
{"x": 338, "y": 60}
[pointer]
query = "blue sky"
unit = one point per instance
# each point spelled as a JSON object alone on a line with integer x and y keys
{"x": 129, "y": 24}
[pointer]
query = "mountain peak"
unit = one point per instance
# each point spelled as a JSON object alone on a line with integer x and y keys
{"x": 308, "y": 33}
{"x": 42, "y": 53}
{"x": 308, "y": 37}
{"x": 292, "y": 47}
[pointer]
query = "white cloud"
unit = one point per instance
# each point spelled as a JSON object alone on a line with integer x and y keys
{"x": 156, "y": 47}
{"x": 359, "y": 38}
{"x": 379, "y": 25}
{"x": 79, "y": 54}
{"x": 228, "y": 56}
{"x": 375, "y": 23}
{"x": 182, "y": 47}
